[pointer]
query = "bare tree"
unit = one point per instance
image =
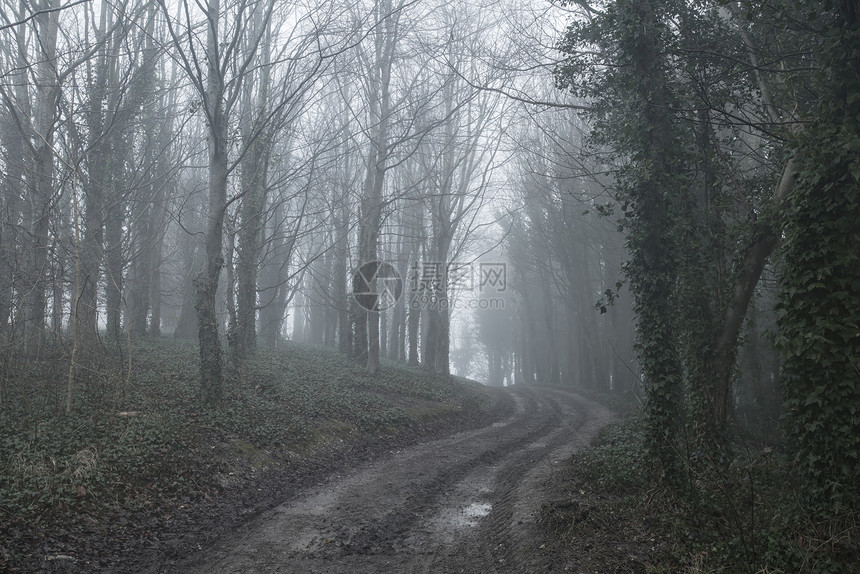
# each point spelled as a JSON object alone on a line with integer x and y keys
{"x": 216, "y": 69}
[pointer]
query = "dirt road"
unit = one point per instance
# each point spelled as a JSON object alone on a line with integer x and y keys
{"x": 465, "y": 503}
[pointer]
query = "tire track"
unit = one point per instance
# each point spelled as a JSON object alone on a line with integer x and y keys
{"x": 455, "y": 504}
{"x": 500, "y": 543}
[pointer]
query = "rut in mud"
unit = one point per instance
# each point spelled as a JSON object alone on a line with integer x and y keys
{"x": 460, "y": 504}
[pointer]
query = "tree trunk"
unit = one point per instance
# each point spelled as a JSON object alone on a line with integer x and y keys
{"x": 206, "y": 283}
{"x": 193, "y": 261}
{"x": 331, "y": 308}
{"x": 274, "y": 291}
{"x": 413, "y": 319}
{"x": 156, "y": 245}
{"x": 318, "y": 294}
{"x": 299, "y": 315}
{"x": 140, "y": 288}
{"x": 47, "y": 99}
{"x": 653, "y": 271}
{"x": 339, "y": 283}
{"x": 92, "y": 245}
{"x": 755, "y": 258}
{"x": 115, "y": 263}
{"x": 58, "y": 272}
{"x": 255, "y": 173}
{"x": 98, "y": 175}
{"x": 385, "y": 42}
{"x": 383, "y": 333}
{"x": 10, "y": 210}
{"x": 155, "y": 296}
{"x": 413, "y": 327}
{"x": 495, "y": 372}
{"x": 438, "y": 326}
{"x": 367, "y": 320}
{"x": 397, "y": 343}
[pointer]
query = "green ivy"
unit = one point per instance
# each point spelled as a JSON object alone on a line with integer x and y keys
{"x": 631, "y": 116}
{"x": 819, "y": 307}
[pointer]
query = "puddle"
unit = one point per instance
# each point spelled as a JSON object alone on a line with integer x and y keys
{"x": 470, "y": 515}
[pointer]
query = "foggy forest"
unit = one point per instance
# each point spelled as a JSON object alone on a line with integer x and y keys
{"x": 430, "y": 286}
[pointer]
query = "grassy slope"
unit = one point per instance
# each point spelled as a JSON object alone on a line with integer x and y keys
{"x": 138, "y": 454}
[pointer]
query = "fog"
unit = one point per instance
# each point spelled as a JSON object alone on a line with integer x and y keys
{"x": 651, "y": 204}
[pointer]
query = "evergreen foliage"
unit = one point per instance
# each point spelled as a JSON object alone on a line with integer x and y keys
{"x": 632, "y": 117}
{"x": 678, "y": 94}
{"x": 819, "y": 307}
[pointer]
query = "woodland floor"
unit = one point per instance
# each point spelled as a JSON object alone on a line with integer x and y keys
{"x": 311, "y": 466}
{"x": 469, "y": 502}
{"x": 138, "y": 474}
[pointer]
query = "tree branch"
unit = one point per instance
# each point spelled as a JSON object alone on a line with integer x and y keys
{"x": 40, "y": 12}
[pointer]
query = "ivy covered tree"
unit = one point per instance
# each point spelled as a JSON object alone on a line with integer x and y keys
{"x": 819, "y": 307}
{"x": 632, "y": 34}
{"x": 695, "y": 127}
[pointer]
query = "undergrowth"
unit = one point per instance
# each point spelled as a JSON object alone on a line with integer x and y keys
{"x": 741, "y": 517}
{"x": 137, "y": 438}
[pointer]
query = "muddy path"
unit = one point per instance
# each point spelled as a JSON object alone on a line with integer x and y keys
{"x": 465, "y": 503}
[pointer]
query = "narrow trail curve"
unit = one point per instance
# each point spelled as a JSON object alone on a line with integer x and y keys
{"x": 465, "y": 503}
